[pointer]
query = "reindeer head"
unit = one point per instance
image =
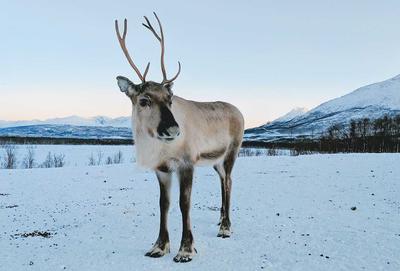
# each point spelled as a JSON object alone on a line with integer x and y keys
{"x": 151, "y": 101}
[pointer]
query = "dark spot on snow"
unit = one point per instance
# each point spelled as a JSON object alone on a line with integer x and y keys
{"x": 11, "y": 206}
{"x": 30, "y": 263}
{"x": 4, "y": 194}
{"x": 44, "y": 234}
{"x": 353, "y": 208}
{"x": 126, "y": 188}
{"x": 277, "y": 214}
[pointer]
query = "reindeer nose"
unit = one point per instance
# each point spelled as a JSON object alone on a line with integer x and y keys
{"x": 169, "y": 134}
{"x": 173, "y": 131}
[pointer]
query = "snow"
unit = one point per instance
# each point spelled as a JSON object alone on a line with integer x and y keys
{"x": 286, "y": 212}
{"x": 73, "y": 120}
{"x": 294, "y": 113}
{"x": 385, "y": 94}
{"x": 372, "y": 101}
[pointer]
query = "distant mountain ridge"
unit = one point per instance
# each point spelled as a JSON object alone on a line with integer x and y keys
{"x": 99, "y": 127}
{"x": 101, "y": 121}
{"x": 294, "y": 113}
{"x": 372, "y": 101}
{"x": 68, "y": 131}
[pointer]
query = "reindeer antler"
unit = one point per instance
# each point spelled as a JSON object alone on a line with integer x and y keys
{"x": 160, "y": 38}
{"x": 125, "y": 50}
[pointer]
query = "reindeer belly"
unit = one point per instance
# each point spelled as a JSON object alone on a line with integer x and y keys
{"x": 210, "y": 158}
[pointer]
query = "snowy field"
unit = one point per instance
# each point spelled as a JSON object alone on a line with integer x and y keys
{"x": 315, "y": 212}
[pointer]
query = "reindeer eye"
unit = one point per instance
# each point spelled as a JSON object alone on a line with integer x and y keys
{"x": 144, "y": 102}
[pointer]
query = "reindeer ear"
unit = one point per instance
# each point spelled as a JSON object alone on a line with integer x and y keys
{"x": 126, "y": 86}
{"x": 169, "y": 86}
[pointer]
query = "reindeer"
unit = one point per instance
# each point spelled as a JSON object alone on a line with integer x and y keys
{"x": 173, "y": 135}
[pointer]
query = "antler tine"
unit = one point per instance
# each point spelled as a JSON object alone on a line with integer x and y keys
{"x": 176, "y": 75}
{"x": 151, "y": 28}
{"x": 163, "y": 70}
{"x": 160, "y": 38}
{"x": 146, "y": 70}
{"x": 125, "y": 28}
{"x": 122, "y": 43}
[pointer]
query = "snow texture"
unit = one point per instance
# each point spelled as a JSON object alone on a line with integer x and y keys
{"x": 316, "y": 212}
{"x": 294, "y": 113}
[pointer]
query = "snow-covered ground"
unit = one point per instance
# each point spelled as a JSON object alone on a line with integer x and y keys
{"x": 288, "y": 213}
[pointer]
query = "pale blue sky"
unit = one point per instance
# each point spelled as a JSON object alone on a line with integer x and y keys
{"x": 60, "y": 58}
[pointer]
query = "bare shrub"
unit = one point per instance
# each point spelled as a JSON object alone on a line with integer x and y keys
{"x": 54, "y": 160}
{"x": 10, "y": 157}
{"x": 248, "y": 152}
{"x": 59, "y": 160}
{"x": 48, "y": 162}
{"x": 29, "y": 160}
{"x": 272, "y": 152}
{"x": 92, "y": 161}
{"x": 109, "y": 160}
{"x": 245, "y": 152}
{"x": 118, "y": 157}
{"x": 96, "y": 161}
{"x": 100, "y": 155}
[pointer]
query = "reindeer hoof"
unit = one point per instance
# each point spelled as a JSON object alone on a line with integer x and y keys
{"x": 224, "y": 232}
{"x": 158, "y": 250}
{"x": 185, "y": 254}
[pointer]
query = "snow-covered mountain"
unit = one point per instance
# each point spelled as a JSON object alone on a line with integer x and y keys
{"x": 101, "y": 121}
{"x": 372, "y": 101}
{"x": 68, "y": 131}
{"x": 70, "y": 127}
{"x": 294, "y": 113}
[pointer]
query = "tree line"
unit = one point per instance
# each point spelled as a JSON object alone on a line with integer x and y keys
{"x": 363, "y": 135}
{"x": 359, "y": 135}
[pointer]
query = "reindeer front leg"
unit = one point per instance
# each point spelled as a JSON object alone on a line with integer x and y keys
{"x": 161, "y": 246}
{"x": 187, "y": 250}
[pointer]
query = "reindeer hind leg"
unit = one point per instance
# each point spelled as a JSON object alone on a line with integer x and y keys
{"x": 229, "y": 161}
{"x": 219, "y": 168}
